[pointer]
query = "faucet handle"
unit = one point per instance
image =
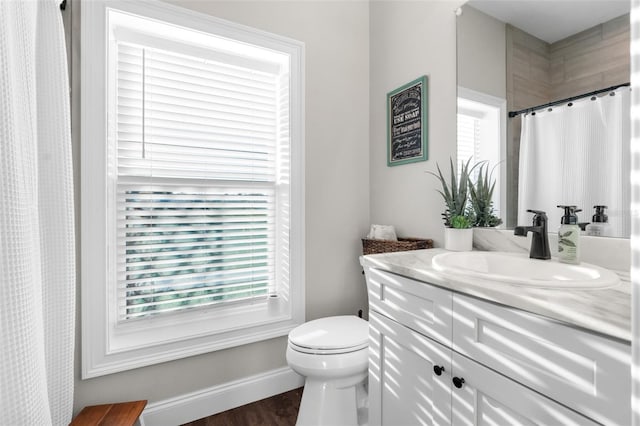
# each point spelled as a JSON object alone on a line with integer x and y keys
{"x": 539, "y": 217}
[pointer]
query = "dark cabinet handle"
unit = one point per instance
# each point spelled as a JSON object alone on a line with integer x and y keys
{"x": 458, "y": 382}
{"x": 438, "y": 370}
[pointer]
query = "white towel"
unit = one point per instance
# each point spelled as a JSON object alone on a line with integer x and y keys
{"x": 382, "y": 232}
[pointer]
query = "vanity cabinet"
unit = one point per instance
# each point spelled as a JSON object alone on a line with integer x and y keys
{"x": 438, "y": 357}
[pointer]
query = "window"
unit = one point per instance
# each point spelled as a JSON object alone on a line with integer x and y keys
{"x": 194, "y": 150}
{"x": 468, "y": 136}
{"x": 481, "y": 137}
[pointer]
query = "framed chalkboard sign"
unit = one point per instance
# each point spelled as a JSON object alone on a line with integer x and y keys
{"x": 407, "y": 123}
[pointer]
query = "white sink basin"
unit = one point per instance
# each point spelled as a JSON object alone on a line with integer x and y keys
{"x": 515, "y": 268}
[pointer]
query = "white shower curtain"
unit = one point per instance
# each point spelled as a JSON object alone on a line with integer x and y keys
{"x": 577, "y": 155}
{"x": 37, "y": 270}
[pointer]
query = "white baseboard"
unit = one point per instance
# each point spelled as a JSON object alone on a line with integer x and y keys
{"x": 206, "y": 402}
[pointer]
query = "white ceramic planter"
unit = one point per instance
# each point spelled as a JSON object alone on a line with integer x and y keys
{"x": 458, "y": 239}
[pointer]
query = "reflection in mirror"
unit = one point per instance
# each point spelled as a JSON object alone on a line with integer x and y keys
{"x": 515, "y": 57}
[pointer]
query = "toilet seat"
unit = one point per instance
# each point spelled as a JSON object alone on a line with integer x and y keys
{"x": 332, "y": 335}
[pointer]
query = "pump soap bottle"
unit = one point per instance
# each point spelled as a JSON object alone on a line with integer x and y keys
{"x": 569, "y": 236}
{"x": 600, "y": 226}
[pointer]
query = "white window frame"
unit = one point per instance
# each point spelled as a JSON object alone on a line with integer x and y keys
{"x": 102, "y": 351}
{"x": 501, "y": 105}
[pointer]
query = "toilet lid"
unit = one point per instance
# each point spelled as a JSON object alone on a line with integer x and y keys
{"x": 331, "y": 335}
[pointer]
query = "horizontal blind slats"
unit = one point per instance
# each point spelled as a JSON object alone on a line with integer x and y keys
{"x": 196, "y": 169}
{"x": 180, "y": 246}
{"x": 219, "y": 225}
{"x": 219, "y": 142}
{"x": 229, "y": 237}
{"x": 193, "y": 293}
{"x": 167, "y": 307}
{"x": 152, "y": 219}
{"x": 156, "y": 112}
{"x": 151, "y": 269}
{"x": 183, "y": 85}
{"x": 167, "y": 96}
{"x": 132, "y": 109}
{"x": 185, "y": 205}
{"x": 159, "y": 79}
{"x": 130, "y": 54}
{"x": 130, "y": 59}
{"x": 182, "y": 121}
{"x": 172, "y": 123}
{"x": 196, "y": 280}
{"x": 142, "y": 260}
{"x": 168, "y": 255}
{"x": 196, "y": 215}
{"x": 130, "y": 92}
{"x": 193, "y": 283}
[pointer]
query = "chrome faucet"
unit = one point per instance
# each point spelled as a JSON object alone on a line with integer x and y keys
{"x": 540, "y": 239}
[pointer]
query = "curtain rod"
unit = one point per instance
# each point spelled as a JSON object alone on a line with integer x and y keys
{"x": 562, "y": 101}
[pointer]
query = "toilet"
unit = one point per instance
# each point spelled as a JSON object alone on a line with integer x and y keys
{"x": 332, "y": 354}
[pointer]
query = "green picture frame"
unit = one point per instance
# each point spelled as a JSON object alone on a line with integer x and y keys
{"x": 407, "y": 126}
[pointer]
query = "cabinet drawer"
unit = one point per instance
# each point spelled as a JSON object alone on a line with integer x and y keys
{"x": 586, "y": 372}
{"x": 419, "y": 306}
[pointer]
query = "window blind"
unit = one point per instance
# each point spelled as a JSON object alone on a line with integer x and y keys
{"x": 201, "y": 160}
{"x": 468, "y": 141}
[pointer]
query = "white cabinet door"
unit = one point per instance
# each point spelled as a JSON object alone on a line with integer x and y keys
{"x": 404, "y": 388}
{"x": 488, "y": 398}
{"x": 584, "y": 371}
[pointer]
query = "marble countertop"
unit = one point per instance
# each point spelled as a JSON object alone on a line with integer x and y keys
{"x": 604, "y": 311}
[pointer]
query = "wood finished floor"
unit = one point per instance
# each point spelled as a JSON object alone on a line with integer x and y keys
{"x": 278, "y": 410}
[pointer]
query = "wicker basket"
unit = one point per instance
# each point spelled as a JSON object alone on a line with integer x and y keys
{"x": 386, "y": 246}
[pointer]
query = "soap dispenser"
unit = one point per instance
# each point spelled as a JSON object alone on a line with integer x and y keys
{"x": 569, "y": 236}
{"x": 600, "y": 226}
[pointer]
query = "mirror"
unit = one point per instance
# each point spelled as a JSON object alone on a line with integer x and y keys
{"x": 515, "y": 55}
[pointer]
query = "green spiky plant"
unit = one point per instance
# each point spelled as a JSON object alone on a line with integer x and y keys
{"x": 480, "y": 197}
{"x": 454, "y": 192}
{"x": 460, "y": 222}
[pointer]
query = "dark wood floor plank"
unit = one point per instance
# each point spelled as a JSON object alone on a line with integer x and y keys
{"x": 278, "y": 410}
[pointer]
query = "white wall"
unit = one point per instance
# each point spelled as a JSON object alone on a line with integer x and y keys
{"x": 336, "y": 35}
{"x": 482, "y": 59}
{"x": 410, "y": 39}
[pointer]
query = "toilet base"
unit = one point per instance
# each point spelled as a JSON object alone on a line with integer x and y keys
{"x": 323, "y": 403}
{"x": 332, "y": 354}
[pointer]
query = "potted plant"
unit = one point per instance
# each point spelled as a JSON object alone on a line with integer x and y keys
{"x": 458, "y": 235}
{"x": 480, "y": 198}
